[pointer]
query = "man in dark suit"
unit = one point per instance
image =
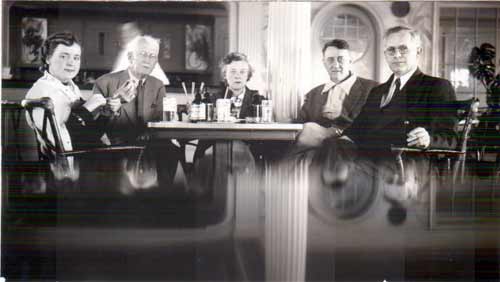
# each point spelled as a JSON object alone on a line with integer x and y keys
{"x": 134, "y": 98}
{"x": 331, "y": 107}
{"x": 410, "y": 109}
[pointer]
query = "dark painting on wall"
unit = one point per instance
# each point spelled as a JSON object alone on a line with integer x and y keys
{"x": 33, "y": 33}
{"x": 198, "y": 42}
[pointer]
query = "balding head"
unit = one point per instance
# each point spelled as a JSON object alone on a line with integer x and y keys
{"x": 143, "y": 55}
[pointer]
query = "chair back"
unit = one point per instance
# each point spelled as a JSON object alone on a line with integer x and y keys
{"x": 47, "y": 149}
{"x": 468, "y": 111}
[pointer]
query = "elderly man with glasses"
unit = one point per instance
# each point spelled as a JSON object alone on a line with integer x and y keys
{"x": 134, "y": 97}
{"x": 410, "y": 109}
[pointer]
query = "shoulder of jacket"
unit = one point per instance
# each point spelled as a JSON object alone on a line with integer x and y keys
{"x": 316, "y": 89}
{"x": 110, "y": 76}
{"x": 155, "y": 81}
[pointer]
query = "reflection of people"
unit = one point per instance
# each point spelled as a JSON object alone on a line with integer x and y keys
{"x": 61, "y": 56}
{"x": 331, "y": 107}
{"x": 411, "y": 108}
{"x": 134, "y": 98}
{"x": 129, "y": 32}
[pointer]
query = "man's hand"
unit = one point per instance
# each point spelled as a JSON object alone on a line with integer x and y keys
{"x": 114, "y": 104}
{"x": 95, "y": 101}
{"x": 418, "y": 137}
{"x": 126, "y": 92}
{"x": 313, "y": 135}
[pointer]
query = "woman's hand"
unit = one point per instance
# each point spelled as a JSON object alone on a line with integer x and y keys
{"x": 95, "y": 101}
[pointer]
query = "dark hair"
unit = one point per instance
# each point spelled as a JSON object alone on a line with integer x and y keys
{"x": 234, "y": 57}
{"x": 337, "y": 43}
{"x": 50, "y": 44}
{"x": 413, "y": 33}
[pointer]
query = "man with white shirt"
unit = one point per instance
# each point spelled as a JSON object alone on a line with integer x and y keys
{"x": 410, "y": 109}
{"x": 331, "y": 107}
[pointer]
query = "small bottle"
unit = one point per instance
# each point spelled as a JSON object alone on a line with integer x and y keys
{"x": 257, "y": 108}
{"x": 209, "y": 106}
{"x": 194, "y": 114}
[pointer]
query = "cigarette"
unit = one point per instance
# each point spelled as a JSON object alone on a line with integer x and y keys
{"x": 225, "y": 94}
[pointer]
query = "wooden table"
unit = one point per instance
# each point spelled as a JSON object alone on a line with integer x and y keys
{"x": 226, "y": 131}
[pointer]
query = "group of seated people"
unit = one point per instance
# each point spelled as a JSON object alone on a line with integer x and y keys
{"x": 410, "y": 109}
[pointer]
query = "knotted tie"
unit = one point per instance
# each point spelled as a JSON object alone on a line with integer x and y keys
{"x": 140, "y": 102}
{"x": 386, "y": 99}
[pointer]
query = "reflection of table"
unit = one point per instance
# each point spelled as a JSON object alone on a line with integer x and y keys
{"x": 223, "y": 134}
{"x": 287, "y": 208}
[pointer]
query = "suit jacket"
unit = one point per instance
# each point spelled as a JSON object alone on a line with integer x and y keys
{"x": 128, "y": 125}
{"x": 246, "y": 106}
{"x": 424, "y": 101}
{"x": 314, "y": 101}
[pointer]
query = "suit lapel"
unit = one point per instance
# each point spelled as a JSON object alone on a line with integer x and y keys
{"x": 123, "y": 76}
{"x": 353, "y": 98}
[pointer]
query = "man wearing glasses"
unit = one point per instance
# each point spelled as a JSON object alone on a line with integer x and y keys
{"x": 331, "y": 107}
{"x": 134, "y": 97}
{"x": 411, "y": 109}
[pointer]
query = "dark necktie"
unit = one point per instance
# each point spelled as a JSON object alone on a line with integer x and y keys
{"x": 386, "y": 99}
{"x": 140, "y": 102}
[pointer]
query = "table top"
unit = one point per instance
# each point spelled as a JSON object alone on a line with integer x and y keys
{"x": 226, "y": 130}
{"x": 226, "y": 125}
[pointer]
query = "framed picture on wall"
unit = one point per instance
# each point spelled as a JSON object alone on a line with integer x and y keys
{"x": 198, "y": 42}
{"x": 33, "y": 33}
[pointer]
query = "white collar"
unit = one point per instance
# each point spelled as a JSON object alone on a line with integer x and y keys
{"x": 135, "y": 79}
{"x": 345, "y": 84}
{"x": 404, "y": 78}
{"x": 53, "y": 79}
{"x": 240, "y": 95}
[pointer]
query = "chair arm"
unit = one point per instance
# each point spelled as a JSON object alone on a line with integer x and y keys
{"x": 427, "y": 152}
{"x": 45, "y": 103}
{"x": 104, "y": 150}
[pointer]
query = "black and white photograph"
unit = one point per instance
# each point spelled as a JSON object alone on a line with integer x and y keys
{"x": 345, "y": 141}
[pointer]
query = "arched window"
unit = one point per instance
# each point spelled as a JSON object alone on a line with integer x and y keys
{"x": 353, "y": 24}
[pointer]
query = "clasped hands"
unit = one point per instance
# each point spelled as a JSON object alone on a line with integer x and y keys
{"x": 313, "y": 135}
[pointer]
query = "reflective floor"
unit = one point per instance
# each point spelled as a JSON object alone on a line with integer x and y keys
{"x": 275, "y": 221}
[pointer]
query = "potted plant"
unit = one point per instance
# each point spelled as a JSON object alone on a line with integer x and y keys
{"x": 482, "y": 67}
{"x": 487, "y": 134}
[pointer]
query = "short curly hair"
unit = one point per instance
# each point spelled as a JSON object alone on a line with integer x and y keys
{"x": 50, "y": 44}
{"x": 234, "y": 57}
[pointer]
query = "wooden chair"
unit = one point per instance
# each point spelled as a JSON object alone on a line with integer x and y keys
{"x": 55, "y": 149}
{"x": 467, "y": 111}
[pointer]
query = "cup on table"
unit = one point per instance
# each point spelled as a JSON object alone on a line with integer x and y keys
{"x": 169, "y": 108}
{"x": 267, "y": 111}
{"x": 223, "y": 107}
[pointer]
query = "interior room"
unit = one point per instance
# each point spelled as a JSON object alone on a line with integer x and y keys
{"x": 220, "y": 185}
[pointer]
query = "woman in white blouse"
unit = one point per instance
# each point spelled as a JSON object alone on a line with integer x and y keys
{"x": 61, "y": 55}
